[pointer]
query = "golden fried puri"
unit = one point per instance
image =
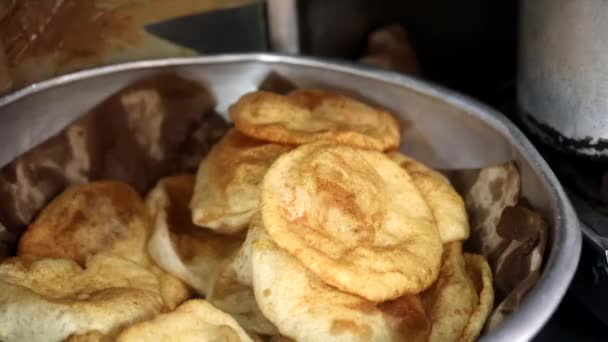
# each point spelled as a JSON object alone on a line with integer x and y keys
{"x": 172, "y": 289}
{"x": 87, "y": 219}
{"x": 178, "y": 246}
{"x": 478, "y": 269}
{"x": 99, "y": 217}
{"x": 461, "y": 299}
{"x": 51, "y": 299}
{"x": 451, "y": 300}
{"x": 195, "y": 320}
{"x": 305, "y": 308}
{"x": 304, "y": 116}
{"x": 227, "y": 183}
{"x": 303, "y": 223}
{"x": 446, "y": 204}
{"x": 354, "y": 218}
{"x": 232, "y": 291}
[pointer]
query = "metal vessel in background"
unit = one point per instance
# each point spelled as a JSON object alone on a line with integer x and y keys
{"x": 563, "y": 74}
{"x": 562, "y": 100}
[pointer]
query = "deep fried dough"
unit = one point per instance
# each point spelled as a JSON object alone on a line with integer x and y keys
{"x": 304, "y": 116}
{"x": 99, "y": 217}
{"x": 87, "y": 219}
{"x": 195, "y": 320}
{"x": 178, "y": 246}
{"x": 451, "y": 300}
{"x": 445, "y": 203}
{"x": 227, "y": 183}
{"x": 305, "y": 308}
{"x": 481, "y": 274}
{"x": 232, "y": 291}
{"x": 354, "y": 218}
{"x": 51, "y": 299}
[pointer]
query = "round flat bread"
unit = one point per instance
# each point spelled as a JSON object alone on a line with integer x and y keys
{"x": 232, "y": 291}
{"x": 481, "y": 274}
{"x": 184, "y": 250}
{"x": 446, "y": 204}
{"x": 354, "y": 218}
{"x": 451, "y": 300}
{"x": 104, "y": 216}
{"x": 227, "y": 190}
{"x": 98, "y": 217}
{"x": 304, "y": 308}
{"x": 52, "y": 299}
{"x": 304, "y": 116}
{"x": 194, "y": 321}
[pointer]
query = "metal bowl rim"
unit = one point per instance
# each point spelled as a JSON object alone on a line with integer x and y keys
{"x": 562, "y": 261}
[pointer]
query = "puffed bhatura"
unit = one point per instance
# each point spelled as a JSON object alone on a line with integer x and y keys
{"x": 52, "y": 299}
{"x": 209, "y": 262}
{"x": 451, "y": 300}
{"x": 194, "y": 321}
{"x": 304, "y": 116}
{"x": 178, "y": 246}
{"x": 354, "y": 218}
{"x": 232, "y": 290}
{"x": 227, "y": 184}
{"x": 445, "y": 203}
{"x": 86, "y": 219}
{"x": 98, "y": 217}
{"x": 303, "y": 223}
{"x": 481, "y": 274}
{"x": 305, "y": 308}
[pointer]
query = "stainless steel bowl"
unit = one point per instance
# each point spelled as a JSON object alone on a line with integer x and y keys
{"x": 442, "y": 128}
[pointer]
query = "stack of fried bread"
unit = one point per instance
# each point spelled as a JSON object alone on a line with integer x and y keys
{"x": 303, "y": 223}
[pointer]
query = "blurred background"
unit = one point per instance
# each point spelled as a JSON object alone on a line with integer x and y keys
{"x": 467, "y": 45}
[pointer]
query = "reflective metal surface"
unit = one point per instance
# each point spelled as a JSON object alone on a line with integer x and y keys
{"x": 440, "y": 127}
{"x": 563, "y": 78}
